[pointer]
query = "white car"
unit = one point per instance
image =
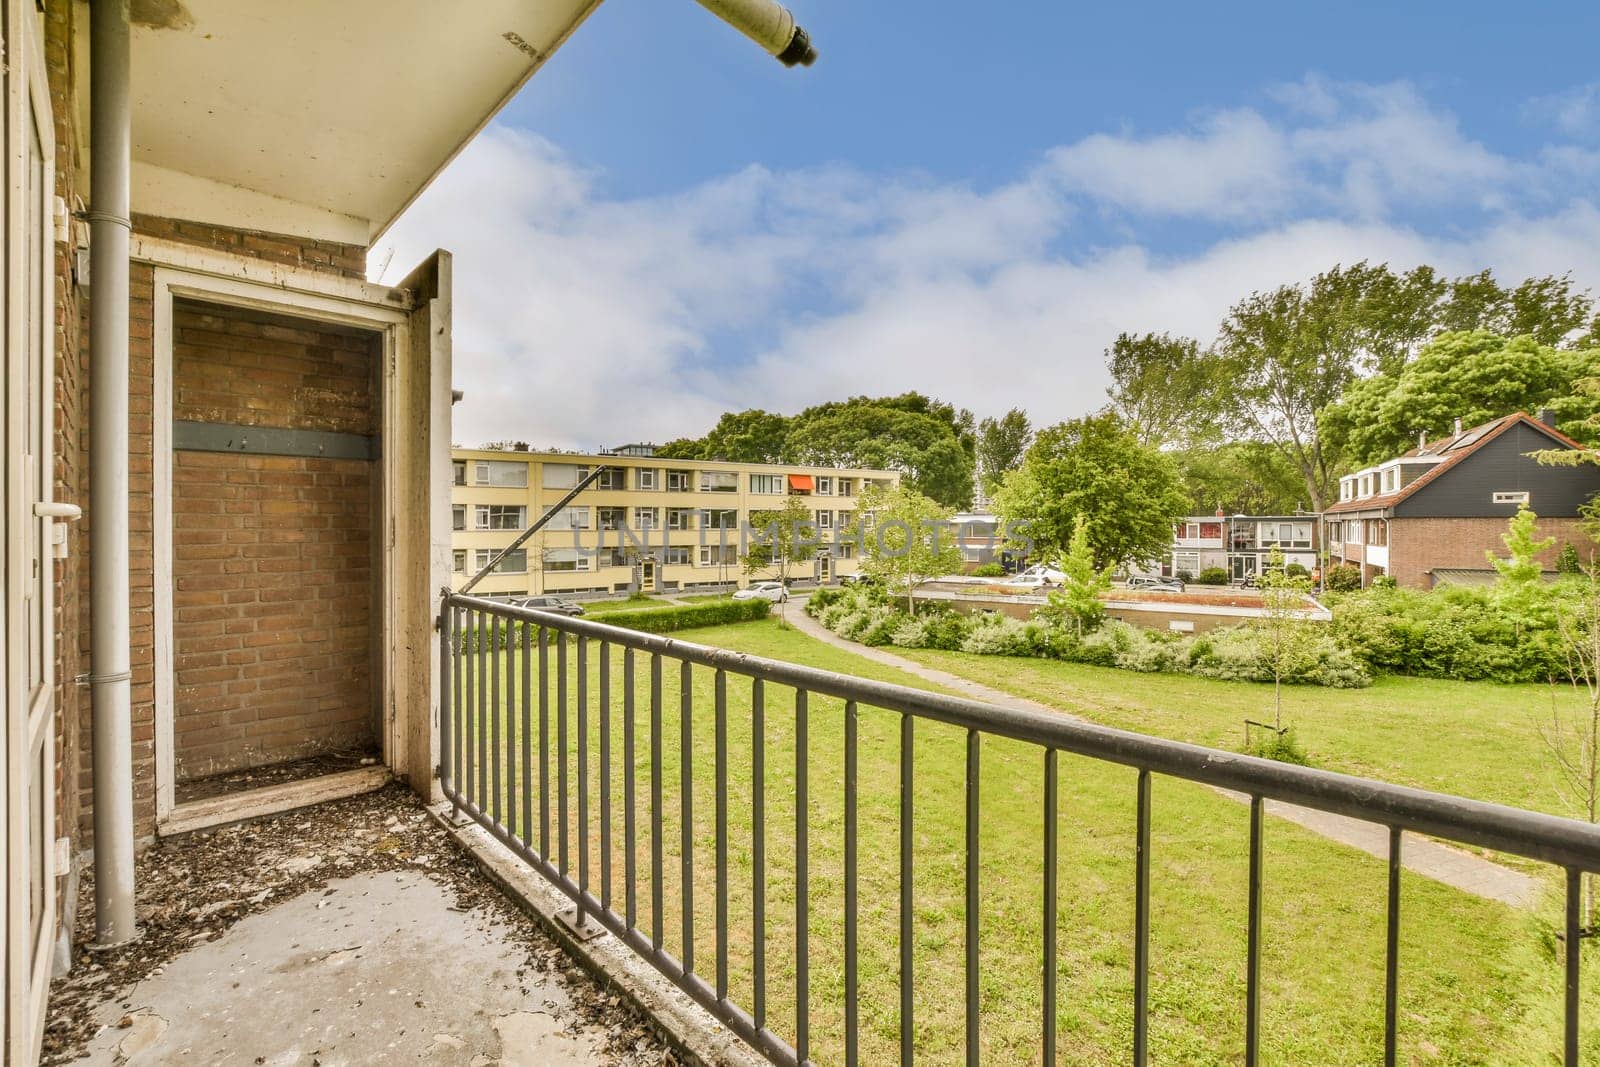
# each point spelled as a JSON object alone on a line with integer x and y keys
{"x": 1037, "y": 575}
{"x": 1156, "y": 582}
{"x": 769, "y": 591}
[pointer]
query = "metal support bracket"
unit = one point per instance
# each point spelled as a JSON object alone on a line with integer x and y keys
{"x": 588, "y": 930}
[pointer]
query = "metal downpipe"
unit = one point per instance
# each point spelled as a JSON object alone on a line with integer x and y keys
{"x": 770, "y": 25}
{"x": 110, "y": 140}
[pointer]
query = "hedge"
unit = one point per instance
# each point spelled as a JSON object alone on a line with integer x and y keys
{"x": 689, "y": 616}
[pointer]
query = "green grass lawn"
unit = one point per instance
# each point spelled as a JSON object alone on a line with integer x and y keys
{"x": 1479, "y": 984}
{"x": 699, "y": 598}
{"x": 602, "y": 607}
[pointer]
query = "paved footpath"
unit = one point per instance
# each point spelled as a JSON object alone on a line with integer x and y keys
{"x": 1424, "y": 856}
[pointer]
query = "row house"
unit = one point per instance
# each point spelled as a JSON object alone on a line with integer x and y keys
{"x": 1436, "y": 513}
{"x": 1242, "y": 545}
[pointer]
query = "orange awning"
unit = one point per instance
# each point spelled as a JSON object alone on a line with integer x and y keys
{"x": 802, "y": 481}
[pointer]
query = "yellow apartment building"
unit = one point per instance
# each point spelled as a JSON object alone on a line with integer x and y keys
{"x": 648, "y": 523}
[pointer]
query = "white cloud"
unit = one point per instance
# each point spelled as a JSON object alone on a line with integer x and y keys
{"x": 583, "y": 320}
{"x": 1575, "y": 111}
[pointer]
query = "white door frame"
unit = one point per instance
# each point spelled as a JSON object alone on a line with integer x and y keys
{"x": 221, "y": 278}
{"x": 30, "y": 708}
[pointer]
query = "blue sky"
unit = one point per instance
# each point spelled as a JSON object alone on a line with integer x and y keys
{"x": 672, "y": 224}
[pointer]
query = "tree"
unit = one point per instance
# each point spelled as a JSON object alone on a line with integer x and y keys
{"x": 1078, "y": 598}
{"x": 782, "y": 537}
{"x": 1161, "y": 387}
{"x": 1241, "y": 478}
{"x": 905, "y": 539}
{"x": 1001, "y": 444}
{"x": 1283, "y": 605}
{"x": 1475, "y": 376}
{"x": 1548, "y": 309}
{"x": 1519, "y": 589}
{"x": 930, "y": 443}
{"x": 1572, "y": 737}
{"x": 1095, "y": 469}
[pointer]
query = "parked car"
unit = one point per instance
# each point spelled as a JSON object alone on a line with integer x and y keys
{"x": 770, "y": 591}
{"x": 553, "y": 604}
{"x": 1156, "y": 582}
{"x": 858, "y": 578}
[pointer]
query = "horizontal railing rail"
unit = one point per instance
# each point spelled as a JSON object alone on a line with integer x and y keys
{"x": 479, "y": 704}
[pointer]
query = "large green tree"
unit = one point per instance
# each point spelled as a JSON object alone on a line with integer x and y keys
{"x": 1241, "y": 478}
{"x": 1001, "y": 445}
{"x": 752, "y": 436}
{"x": 1097, "y": 471}
{"x": 931, "y": 443}
{"x": 1163, "y": 387}
{"x": 905, "y": 539}
{"x": 1474, "y": 376}
{"x": 1549, "y": 309}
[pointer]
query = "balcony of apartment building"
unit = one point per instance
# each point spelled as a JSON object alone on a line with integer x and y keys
{"x": 573, "y": 843}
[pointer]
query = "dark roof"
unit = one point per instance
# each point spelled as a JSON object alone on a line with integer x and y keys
{"x": 1449, "y": 451}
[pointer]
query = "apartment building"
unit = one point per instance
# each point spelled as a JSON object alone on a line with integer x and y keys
{"x": 1240, "y": 544}
{"x": 1436, "y": 512}
{"x": 648, "y": 523}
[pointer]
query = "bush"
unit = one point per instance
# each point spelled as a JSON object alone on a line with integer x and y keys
{"x": 1212, "y": 576}
{"x": 1568, "y": 562}
{"x": 1385, "y": 581}
{"x": 688, "y": 616}
{"x": 1296, "y": 570}
{"x": 1001, "y": 635}
{"x": 1342, "y": 578}
{"x": 823, "y": 598}
{"x": 1281, "y": 746}
{"x": 1184, "y": 576}
{"x": 989, "y": 570}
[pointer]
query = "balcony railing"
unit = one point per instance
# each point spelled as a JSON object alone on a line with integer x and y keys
{"x": 502, "y": 743}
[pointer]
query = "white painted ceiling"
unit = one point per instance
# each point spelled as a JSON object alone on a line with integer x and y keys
{"x": 345, "y": 106}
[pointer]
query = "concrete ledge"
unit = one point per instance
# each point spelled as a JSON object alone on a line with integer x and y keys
{"x": 677, "y": 1019}
{"x": 270, "y": 800}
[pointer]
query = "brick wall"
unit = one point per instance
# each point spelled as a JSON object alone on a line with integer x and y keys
{"x": 1417, "y": 546}
{"x": 347, "y": 260}
{"x": 273, "y": 556}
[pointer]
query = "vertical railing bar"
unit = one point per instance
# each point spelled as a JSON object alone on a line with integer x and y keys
{"x": 527, "y": 731}
{"x": 686, "y": 805}
{"x": 482, "y": 724}
{"x": 907, "y": 882}
{"x": 561, "y": 750}
{"x": 972, "y": 908}
{"x": 802, "y": 908}
{"x": 657, "y": 924}
{"x": 758, "y": 849}
{"x": 452, "y": 726}
{"x": 1252, "y": 994}
{"x": 721, "y": 684}
{"x": 493, "y": 807}
{"x": 1574, "y": 962}
{"x": 852, "y": 1036}
{"x": 583, "y": 772}
{"x": 630, "y": 828}
{"x": 1391, "y": 956}
{"x": 605, "y": 774}
{"x": 509, "y": 713}
{"x": 544, "y": 742}
{"x": 1051, "y": 845}
{"x": 1141, "y": 925}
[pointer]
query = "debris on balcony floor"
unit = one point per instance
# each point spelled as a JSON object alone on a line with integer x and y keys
{"x": 248, "y": 778}
{"x": 355, "y": 932}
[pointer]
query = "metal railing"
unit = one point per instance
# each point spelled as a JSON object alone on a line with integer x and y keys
{"x": 497, "y": 754}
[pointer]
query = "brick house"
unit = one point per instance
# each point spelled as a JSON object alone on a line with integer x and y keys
{"x": 1242, "y": 545}
{"x": 1443, "y": 506}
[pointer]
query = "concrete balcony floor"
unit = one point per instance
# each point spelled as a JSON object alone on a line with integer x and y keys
{"x": 351, "y": 933}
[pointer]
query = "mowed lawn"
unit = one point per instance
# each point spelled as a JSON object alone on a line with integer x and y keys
{"x": 1479, "y": 982}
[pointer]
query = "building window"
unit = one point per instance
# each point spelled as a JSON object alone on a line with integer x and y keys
{"x": 646, "y": 518}
{"x": 646, "y": 478}
{"x": 766, "y": 483}
{"x": 1352, "y": 532}
{"x": 719, "y": 481}
{"x": 612, "y": 478}
{"x": 845, "y": 518}
{"x": 824, "y": 520}
{"x": 847, "y": 487}
{"x": 719, "y": 519}
{"x": 516, "y": 561}
{"x": 1390, "y": 479}
{"x": 675, "y": 554}
{"x": 1186, "y": 563}
{"x": 1336, "y": 533}
{"x": 680, "y": 518}
{"x": 678, "y": 481}
{"x": 613, "y": 518}
{"x": 565, "y": 559}
{"x": 1377, "y": 532}
{"x": 824, "y": 486}
{"x": 570, "y": 519}
{"x": 562, "y": 475}
{"x": 1511, "y": 498}
{"x": 460, "y": 468}
{"x": 844, "y": 550}
{"x": 1366, "y": 485}
{"x": 458, "y": 516}
{"x": 717, "y": 555}
{"x": 499, "y": 517}
{"x": 501, "y": 472}
{"x": 458, "y": 561}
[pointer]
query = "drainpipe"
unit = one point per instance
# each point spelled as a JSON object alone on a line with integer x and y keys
{"x": 110, "y": 140}
{"x": 769, "y": 25}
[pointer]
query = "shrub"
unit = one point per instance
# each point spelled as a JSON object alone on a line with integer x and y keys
{"x": 1184, "y": 576}
{"x": 1281, "y": 746}
{"x": 823, "y": 598}
{"x": 1001, "y": 635}
{"x": 688, "y": 616}
{"x": 1212, "y": 576}
{"x": 989, "y": 570}
{"x": 1385, "y": 581}
{"x": 1296, "y": 570}
{"x": 1568, "y": 562}
{"x": 1342, "y": 578}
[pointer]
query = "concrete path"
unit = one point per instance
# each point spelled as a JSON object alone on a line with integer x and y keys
{"x": 376, "y": 968}
{"x": 1424, "y": 856}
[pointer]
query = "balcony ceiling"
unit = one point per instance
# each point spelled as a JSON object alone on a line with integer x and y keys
{"x": 323, "y": 116}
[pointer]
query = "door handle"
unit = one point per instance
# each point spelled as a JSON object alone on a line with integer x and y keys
{"x": 55, "y": 509}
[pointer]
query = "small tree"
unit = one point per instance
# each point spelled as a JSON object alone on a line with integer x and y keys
{"x": 1567, "y": 562}
{"x": 1519, "y": 589}
{"x": 1572, "y": 735}
{"x": 1078, "y": 598}
{"x": 1283, "y": 603}
{"x": 783, "y": 536}
{"x": 905, "y": 539}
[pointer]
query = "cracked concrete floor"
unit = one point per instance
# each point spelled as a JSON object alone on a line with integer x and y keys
{"x": 379, "y": 967}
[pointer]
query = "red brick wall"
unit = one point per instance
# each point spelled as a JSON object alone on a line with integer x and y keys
{"x": 273, "y": 556}
{"x": 1417, "y": 546}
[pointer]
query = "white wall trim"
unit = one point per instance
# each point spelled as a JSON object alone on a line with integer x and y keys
{"x": 303, "y": 281}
